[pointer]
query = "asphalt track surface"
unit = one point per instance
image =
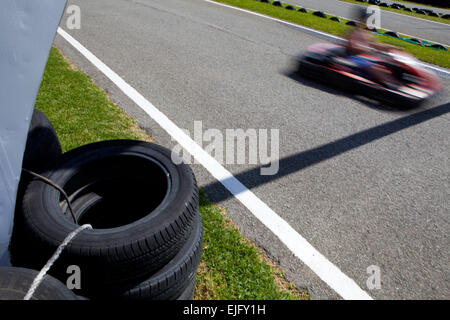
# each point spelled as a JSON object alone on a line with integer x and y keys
{"x": 364, "y": 184}
{"x": 421, "y": 28}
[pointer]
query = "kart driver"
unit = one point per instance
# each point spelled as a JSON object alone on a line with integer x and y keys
{"x": 360, "y": 41}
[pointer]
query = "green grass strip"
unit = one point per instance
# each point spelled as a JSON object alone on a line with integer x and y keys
{"x": 80, "y": 111}
{"x": 433, "y": 56}
{"x": 234, "y": 268}
{"x": 231, "y": 266}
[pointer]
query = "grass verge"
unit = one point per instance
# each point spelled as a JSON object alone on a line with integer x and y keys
{"x": 231, "y": 267}
{"x": 401, "y": 11}
{"x": 437, "y": 57}
{"x": 80, "y": 111}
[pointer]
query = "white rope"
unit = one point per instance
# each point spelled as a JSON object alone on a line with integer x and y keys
{"x": 37, "y": 281}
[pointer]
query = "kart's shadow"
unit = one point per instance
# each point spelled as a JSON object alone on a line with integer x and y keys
{"x": 335, "y": 91}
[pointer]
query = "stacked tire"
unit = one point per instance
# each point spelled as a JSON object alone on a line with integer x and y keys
{"x": 147, "y": 234}
{"x": 15, "y": 282}
{"x": 43, "y": 147}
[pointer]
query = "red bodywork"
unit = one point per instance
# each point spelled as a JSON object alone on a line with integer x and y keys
{"x": 428, "y": 79}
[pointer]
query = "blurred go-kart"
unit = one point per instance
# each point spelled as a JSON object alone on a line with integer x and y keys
{"x": 327, "y": 63}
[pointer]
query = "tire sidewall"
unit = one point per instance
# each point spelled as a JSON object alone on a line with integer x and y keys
{"x": 55, "y": 226}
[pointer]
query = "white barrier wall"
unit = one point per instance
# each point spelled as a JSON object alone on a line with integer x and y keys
{"x": 27, "y": 30}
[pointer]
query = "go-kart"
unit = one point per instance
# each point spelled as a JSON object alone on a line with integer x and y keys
{"x": 328, "y": 63}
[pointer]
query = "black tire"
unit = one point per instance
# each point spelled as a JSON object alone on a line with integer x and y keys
{"x": 310, "y": 67}
{"x": 43, "y": 147}
{"x": 389, "y": 98}
{"x": 392, "y": 34}
{"x": 320, "y": 14}
{"x": 188, "y": 293}
{"x": 278, "y": 4}
{"x": 15, "y": 283}
{"x": 121, "y": 248}
{"x": 337, "y": 19}
{"x": 176, "y": 280}
{"x": 179, "y": 275}
{"x": 438, "y": 46}
{"x": 417, "y": 41}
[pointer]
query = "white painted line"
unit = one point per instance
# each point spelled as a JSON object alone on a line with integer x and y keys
{"x": 326, "y": 35}
{"x": 330, "y": 37}
{"x": 300, "y": 247}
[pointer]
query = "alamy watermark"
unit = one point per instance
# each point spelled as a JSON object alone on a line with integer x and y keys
{"x": 374, "y": 17}
{"x": 374, "y": 280}
{"x": 74, "y": 17}
{"x": 74, "y": 280}
{"x": 230, "y": 147}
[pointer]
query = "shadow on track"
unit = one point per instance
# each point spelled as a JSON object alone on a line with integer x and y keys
{"x": 335, "y": 91}
{"x": 304, "y": 159}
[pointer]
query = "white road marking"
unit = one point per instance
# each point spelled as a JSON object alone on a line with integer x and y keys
{"x": 346, "y": 287}
{"x": 316, "y": 32}
{"x": 328, "y": 36}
